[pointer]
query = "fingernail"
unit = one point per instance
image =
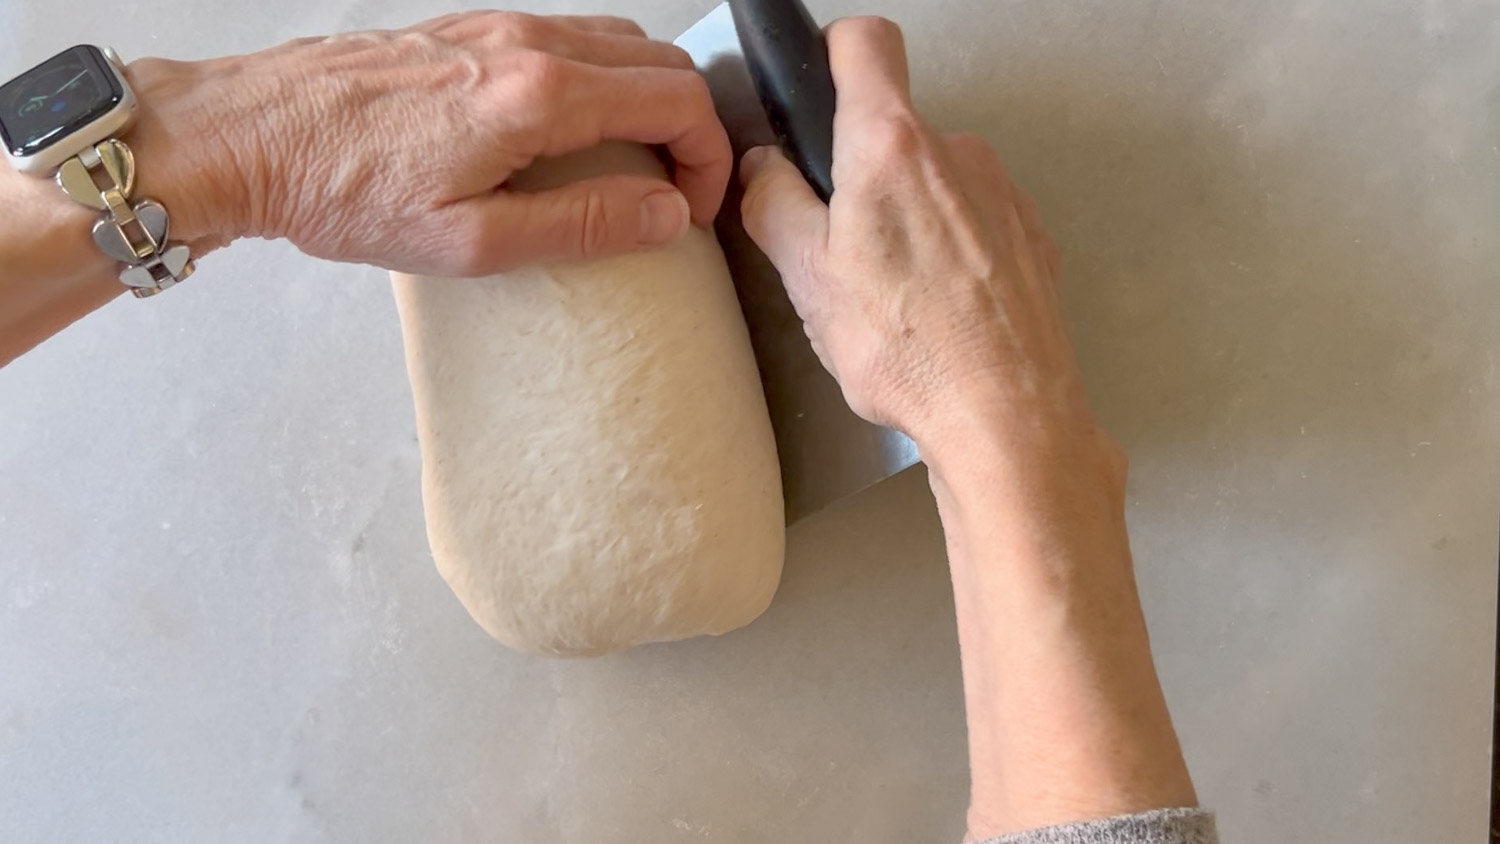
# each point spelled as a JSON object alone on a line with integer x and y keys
{"x": 664, "y": 217}
{"x": 752, "y": 162}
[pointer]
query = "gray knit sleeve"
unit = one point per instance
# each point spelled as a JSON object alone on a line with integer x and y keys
{"x": 1162, "y": 826}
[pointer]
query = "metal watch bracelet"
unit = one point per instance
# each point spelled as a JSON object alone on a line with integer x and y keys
{"x": 102, "y": 177}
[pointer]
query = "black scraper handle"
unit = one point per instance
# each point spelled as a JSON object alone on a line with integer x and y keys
{"x": 788, "y": 59}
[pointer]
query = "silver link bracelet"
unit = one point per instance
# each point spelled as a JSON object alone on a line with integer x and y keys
{"x": 102, "y": 177}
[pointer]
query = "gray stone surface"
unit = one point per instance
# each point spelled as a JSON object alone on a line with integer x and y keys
{"x": 219, "y": 622}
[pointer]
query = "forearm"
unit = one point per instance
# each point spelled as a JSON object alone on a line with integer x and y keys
{"x": 51, "y": 273}
{"x": 1066, "y": 717}
{"x": 328, "y": 143}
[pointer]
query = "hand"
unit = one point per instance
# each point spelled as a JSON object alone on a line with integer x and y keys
{"x": 929, "y": 290}
{"x": 928, "y": 287}
{"x": 393, "y": 148}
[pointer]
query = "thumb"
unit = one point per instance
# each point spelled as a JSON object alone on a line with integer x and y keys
{"x": 780, "y": 211}
{"x": 591, "y": 218}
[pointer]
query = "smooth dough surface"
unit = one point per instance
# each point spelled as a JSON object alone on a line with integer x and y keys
{"x": 598, "y": 467}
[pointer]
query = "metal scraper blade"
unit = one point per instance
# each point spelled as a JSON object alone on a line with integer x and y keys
{"x": 826, "y": 452}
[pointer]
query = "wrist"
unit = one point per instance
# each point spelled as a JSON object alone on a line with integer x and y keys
{"x": 1045, "y": 483}
{"x": 993, "y": 436}
{"x": 191, "y": 149}
{"x": 53, "y": 273}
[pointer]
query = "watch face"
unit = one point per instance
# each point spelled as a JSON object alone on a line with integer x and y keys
{"x": 56, "y": 98}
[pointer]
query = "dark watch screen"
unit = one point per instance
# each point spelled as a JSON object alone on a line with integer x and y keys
{"x": 56, "y": 98}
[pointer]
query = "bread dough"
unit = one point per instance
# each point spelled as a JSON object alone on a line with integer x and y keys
{"x": 598, "y": 467}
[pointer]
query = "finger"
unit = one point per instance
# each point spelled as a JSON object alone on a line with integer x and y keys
{"x": 592, "y": 218}
{"x": 868, "y": 58}
{"x": 781, "y": 213}
{"x": 601, "y": 23}
{"x": 586, "y": 104}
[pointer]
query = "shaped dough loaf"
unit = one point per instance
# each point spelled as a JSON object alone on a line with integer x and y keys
{"x": 598, "y": 467}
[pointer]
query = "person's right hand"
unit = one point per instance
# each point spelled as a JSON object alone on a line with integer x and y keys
{"x": 928, "y": 286}
{"x": 393, "y": 148}
{"x": 929, "y": 289}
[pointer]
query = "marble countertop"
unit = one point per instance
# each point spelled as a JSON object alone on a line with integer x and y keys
{"x": 219, "y": 620}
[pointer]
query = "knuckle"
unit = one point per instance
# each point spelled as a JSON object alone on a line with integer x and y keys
{"x": 680, "y": 60}
{"x": 595, "y": 231}
{"x": 1053, "y": 256}
{"x": 416, "y": 45}
{"x": 624, "y": 25}
{"x": 295, "y": 43}
{"x": 451, "y": 25}
{"x": 1027, "y": 204}
{"x": 970, "y": 144}
{"x": 503, "y": 24}
{"x": 997, "y": 171}
{"x": 543, "y": 76}
{"x": 753, "y": 208}
{"x": 898, "y": 138}
{"x": 483, "y": 25}
{"x": 755, "y": 205}
{"x": 692, "y": 88}
{"x": 523, "y": 29}
{"x": 470, "y": 250}
{"x": 689, "y": 96}
{"x": 872, "y": 27}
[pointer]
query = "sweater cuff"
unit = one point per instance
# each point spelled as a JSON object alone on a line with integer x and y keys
{"x": 1159, "y": 826}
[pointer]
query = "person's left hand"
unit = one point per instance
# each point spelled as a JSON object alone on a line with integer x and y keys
{"x": 393, "y": 148}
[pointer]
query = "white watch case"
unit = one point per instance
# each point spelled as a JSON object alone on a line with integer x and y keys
{"x": 46, "y": 161}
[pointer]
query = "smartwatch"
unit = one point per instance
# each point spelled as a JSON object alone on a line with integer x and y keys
{"x": 62, "y": 119}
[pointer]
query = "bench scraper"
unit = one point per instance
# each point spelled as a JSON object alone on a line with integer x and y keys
{"x": 767, "y": 65}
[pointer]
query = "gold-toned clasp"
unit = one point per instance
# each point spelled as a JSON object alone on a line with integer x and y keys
{"x": 77, "y": 175}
